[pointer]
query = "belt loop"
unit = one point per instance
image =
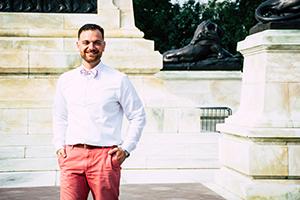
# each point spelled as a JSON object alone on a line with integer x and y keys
{"x": 72, "y": 147}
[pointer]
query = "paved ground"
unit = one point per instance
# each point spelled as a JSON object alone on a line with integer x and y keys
{"x": 182, "y": 191}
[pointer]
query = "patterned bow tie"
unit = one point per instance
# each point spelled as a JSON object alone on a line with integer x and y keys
{"x": 87, "y": 73}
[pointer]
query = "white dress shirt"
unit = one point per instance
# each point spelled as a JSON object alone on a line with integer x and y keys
{"x": 89, "y": 108}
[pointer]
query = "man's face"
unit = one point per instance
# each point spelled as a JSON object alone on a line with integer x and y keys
{"x": 91, "y": 45}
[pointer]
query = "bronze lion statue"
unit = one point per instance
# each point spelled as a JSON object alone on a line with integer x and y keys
{"x": 206, "y": 43}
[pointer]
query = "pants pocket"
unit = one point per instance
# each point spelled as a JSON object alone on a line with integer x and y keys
{"x": 114, "y": 163}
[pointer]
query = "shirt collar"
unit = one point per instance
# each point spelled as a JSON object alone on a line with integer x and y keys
{"x": 93, "y": 73}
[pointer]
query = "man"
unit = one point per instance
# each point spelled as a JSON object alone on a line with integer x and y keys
{"x": 87, "y": 118}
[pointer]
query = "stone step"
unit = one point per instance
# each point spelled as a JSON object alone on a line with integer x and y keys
{"x": 28, "y": 164}
{"x": 51, "y": 178}
{"x": 28, "y": 179}
{"x": 147, "y": 138}
{"x": 22, "y": 92}
{"x": 12, "y": 152}
{"x": 20, "y": 121}
{"x": 15, "y": 140}
{"x": 65, "y": 25}
{"x": 48, "y": 44}
{"x": 56, "y": 55}
{"x": 204, "y": 145}
{"x": 21, "y": 152}
{"x": 53, "y": 24}
{"x": 38, "y": 120}
{"x": 37, "y": 62}
{"x": 136, "y": 162}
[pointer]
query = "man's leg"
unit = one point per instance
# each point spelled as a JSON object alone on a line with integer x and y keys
{"x": 103, "y": 175}
{"x": 73, "y": 183}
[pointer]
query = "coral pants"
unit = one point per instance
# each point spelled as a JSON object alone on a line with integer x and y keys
{"x": 89, "y": 169}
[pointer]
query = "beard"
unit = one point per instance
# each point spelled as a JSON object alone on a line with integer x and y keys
{"x": 91, "y": 56}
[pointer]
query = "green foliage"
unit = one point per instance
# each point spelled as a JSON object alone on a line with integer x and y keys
{"x": 185, "y": 23}
{"x": 172, "y": 26}
{"x": 153, "y": 18}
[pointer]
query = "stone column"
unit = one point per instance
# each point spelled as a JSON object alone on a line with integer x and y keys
{"x": 127, "y": 19}
{"x": 106, "y": 9}
{"x": 121, "y": 10}
{"x": 260, "y": 146}
{"x": 105, "y": 4}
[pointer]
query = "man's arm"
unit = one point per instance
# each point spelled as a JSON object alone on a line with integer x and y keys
{"x": 135, "y": 113}
{"x": 60, "y": 119}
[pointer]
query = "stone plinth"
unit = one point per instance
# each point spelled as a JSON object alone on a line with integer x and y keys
{"x": 204, "y": 88}
{"x": 45, "y": 43}
{"x": 259, "y": 150}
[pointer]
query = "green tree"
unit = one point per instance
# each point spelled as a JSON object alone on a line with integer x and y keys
{"x": 185, "y": 23}
{"x": 154, "y": 18}
{"x": 172, "y": 26}
{"x": 234, "y": 17}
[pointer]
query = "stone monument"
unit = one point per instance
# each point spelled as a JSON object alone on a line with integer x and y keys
{"x": 36, "y": 47}
{"x": 260, "y": 143}
{"x": 45, "y": 42}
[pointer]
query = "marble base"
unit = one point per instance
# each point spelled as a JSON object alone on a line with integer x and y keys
{"x": 260, "y": 156}
{"x": 260, "y": 144}
{"x": 45, "y": 43}
{"x": 31, "y": 56}
{"x": 248, "y": 188}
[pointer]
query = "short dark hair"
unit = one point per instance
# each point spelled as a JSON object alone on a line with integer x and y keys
{"x": 87, "y": 27}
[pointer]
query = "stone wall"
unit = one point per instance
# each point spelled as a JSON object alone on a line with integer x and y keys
{"x": 171, "y": 140}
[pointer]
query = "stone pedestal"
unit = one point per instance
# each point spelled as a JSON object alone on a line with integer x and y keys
{"x": 37, "y": 43}
{"x": 260, "y": 146}
{"x": 37, "y": 47}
